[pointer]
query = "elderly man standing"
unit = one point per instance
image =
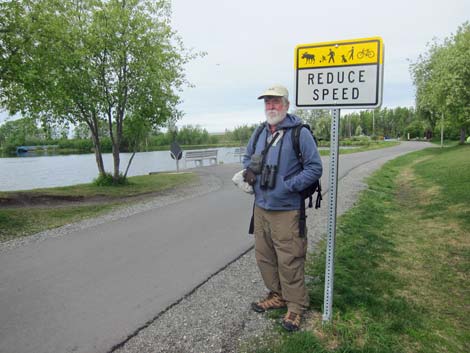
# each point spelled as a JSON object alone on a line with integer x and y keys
{"x": 278, "y": 175}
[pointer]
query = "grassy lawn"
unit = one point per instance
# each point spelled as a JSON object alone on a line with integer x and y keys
{"x": 370, "y": 147}
{"x": 402, "y": 264}
{"x": 22, "y": 221}
{"x": 138, "y": 185}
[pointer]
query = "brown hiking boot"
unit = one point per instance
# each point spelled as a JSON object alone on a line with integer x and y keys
{"x": 291, "y": 321}
{"x": 272, "y": 301}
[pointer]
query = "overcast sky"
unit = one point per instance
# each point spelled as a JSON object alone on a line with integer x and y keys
{"x": 250, "y": 45}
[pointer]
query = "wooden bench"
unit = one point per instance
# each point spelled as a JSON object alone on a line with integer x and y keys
{"x": 199, "y": 155}
{"x": 240, "y": 152}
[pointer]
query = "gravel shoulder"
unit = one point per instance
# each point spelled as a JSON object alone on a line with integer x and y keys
{"x": 215, "y": 317}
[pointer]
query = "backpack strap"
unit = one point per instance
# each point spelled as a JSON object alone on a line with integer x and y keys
{"x": 296, "y": 145}
{"x": 258, "y": 132}
{"x": 251, "y": 228}
{"x": 296, "y": 141}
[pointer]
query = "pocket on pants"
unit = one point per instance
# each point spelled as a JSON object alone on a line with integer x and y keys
{"x": 286, "y": 235}
{"x": 299, "y": 245}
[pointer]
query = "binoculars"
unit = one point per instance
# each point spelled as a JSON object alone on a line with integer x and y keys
{"x": 266, "y": 172}
{"x": 268, "y": 177}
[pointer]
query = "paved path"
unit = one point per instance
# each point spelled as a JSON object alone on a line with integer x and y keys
{"x": 89, "y": 290}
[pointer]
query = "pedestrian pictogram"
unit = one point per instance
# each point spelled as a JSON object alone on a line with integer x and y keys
{"x": 341, "y": 74}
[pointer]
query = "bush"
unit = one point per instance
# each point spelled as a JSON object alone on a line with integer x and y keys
{"x": 108, "y": 180}
{"x": 83, "y": 145}
{"x": 106, "y": 145}
{"x": 160, "y": 140}
{"x": 356, "y": 141}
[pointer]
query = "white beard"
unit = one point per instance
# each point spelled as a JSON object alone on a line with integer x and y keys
{"x": 273, "y": 117}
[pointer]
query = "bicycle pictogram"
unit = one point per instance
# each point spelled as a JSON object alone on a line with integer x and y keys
{"x": 366, "y": 53}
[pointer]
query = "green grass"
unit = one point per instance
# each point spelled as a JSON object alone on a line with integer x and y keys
{"x": 402, "y": 264}
{"x": 447, "y": 143}
{"x": 22, "y": 221}
{"x": 138, "y": 185}
{"x": 370, "y": 147}
{"x": 15, "y": 223}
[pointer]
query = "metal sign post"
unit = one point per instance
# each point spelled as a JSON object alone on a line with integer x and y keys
{"x": 331, "y": 228}
{"x": 344, "y": 74}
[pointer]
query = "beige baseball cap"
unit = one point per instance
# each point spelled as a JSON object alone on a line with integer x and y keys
{"x": 275, "y": 91}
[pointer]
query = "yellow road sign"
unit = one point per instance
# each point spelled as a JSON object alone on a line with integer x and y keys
{"x": 340, "y": 74}
{"x": 340, "y": 53}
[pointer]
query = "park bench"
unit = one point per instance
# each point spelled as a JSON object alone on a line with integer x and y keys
{"x": 239, "y": 151}
{"x": 199, "y": 155}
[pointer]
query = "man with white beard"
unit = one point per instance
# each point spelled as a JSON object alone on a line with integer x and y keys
{"x": 278, "y": 176}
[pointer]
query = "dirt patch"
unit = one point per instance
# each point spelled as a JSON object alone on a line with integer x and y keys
{"x": 25, "y": 200}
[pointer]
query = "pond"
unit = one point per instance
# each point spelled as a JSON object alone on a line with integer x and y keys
{"x": 24, "y": 173}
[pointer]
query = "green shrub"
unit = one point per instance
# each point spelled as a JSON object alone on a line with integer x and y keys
{"x": 83, "y": 145}
{"x": 108, "y": 180}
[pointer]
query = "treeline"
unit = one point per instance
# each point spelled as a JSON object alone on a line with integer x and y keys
{"x": 377, "y": 124}
{"x": 400, "y": 122}
{"x": 27, "y": 132}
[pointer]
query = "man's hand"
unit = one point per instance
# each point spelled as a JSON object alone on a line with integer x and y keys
{"x": 249, "y": 176}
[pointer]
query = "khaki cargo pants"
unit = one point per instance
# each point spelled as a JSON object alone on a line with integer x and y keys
{"x": 280, "y": 254}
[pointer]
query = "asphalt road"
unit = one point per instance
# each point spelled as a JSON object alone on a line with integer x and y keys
{"x": 87, "y": 291}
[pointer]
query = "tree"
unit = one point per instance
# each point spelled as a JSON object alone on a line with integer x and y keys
{"x": 192, "y": 135}
{"x": 358, "y": 131}
{"x": 19, "y": 132}
{"x": 459, "y": 65}
{"x": 91, "y": 61}
{"x": 442, "y": 79}
{"x": 318, "y": 119}
{"x": 137, "y": 129}
{"x": 242, "y": 133}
